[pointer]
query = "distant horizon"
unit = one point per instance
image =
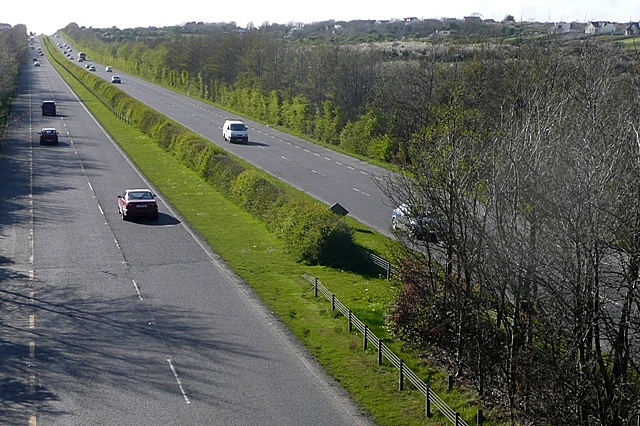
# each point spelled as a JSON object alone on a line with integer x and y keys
{"x": 339, "y": 20}
{"x": 42, "y": 17}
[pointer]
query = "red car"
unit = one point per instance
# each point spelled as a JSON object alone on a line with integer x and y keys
{"x": 48, "y": 135}
{"x": 138, "y": 203}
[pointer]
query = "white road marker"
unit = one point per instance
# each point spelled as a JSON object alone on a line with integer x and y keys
{"x": 175, "y": 374}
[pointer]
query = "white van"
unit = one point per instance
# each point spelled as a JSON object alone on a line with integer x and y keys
{"x": 235, "y": 131}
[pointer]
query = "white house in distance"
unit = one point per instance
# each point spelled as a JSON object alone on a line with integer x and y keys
{"x": 567, "y": 27}
{"x": 600, "y": 27}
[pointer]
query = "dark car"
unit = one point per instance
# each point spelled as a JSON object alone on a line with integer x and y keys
{"x": 48, "y": 108}
{"x": 138, "y": 203}
{"x": 48, "y": 135}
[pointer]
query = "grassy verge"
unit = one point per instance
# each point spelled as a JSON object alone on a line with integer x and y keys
{"x": 258, "y": 257}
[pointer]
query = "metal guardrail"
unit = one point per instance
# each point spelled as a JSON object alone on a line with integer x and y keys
{"x": 384, "y": 352}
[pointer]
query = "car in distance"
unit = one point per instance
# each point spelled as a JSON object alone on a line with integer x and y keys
{"x": 48, "y": 108}
{"x": 92, "y": 68}
{"x": 108, "y": 69}
{"x": 235, "y": 131}
{"x": 138, "y": 203}
{"x": 36, "y": 64}
{"x": 421, "y": 223}
{"x": 48, "y": 135}
{"x": 116, "y": 79}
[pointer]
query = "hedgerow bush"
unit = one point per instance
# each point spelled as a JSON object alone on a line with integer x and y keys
{"x": 313, "y": 233}
{"x": 256, "y": 194}
{"x": 222, "y": 172}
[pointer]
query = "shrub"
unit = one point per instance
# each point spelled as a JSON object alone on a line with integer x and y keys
{"x": 256, "y": 194}
{"x": 313, "y": 233}
{"x": 222, "y": 172}
{"x": 164, "y": 132}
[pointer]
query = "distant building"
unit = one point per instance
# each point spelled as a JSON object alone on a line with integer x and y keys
{"x": 632, "y": 29}
{"x": 600, "y": 27}
{"x": 567, "y": 27}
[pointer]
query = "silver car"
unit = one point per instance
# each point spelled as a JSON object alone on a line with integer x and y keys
{"x": 418, "y": 222}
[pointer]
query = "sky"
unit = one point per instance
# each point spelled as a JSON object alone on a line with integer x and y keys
{"x": 46, "y": 17}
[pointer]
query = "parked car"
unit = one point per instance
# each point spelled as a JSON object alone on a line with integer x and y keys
{"x": 116, "y": 79}
{"x": 235, "y": 131}
{"x": 138, "y": 203}
{"x": 421, "y": 223}
{"x": 48, "y": 135}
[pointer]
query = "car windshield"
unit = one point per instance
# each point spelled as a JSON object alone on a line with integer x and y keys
{"x": 48, "y": 132}
{"x": 237, "y": 126}
{"x": 140, "y": 196}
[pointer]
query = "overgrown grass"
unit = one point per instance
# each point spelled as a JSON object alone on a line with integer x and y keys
{"x": 259, "y": 258}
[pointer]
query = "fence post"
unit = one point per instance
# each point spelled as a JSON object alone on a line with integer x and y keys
{"x": 457, "y": 419}
{"x": 401, "y": 379}
{"x": 350, "y": 325}
{"x": 427, "y": 395}
{"x": 333, "y": 302}
{"x": 364, "y": 343}
{"x": 315, "y": 287}
{"x": 480, "y": 418}
{"x": 379, "y": 352}
{"x": 388, "y": 270}
{"x": 450, "y": 383}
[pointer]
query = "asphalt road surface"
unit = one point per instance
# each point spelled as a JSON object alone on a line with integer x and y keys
{"x": 112, "y": 322}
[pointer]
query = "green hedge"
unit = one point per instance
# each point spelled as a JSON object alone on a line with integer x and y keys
{"x": 312, "y": 232}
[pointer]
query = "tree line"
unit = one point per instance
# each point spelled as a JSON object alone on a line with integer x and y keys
{"x": 13, "y": 50}
{"x": 532, "y": 296}
{"x": 362, "y": 97}
{"x": 528, "y": 152}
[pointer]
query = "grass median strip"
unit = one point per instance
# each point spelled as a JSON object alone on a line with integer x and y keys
{"x": 259, "y": 258}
